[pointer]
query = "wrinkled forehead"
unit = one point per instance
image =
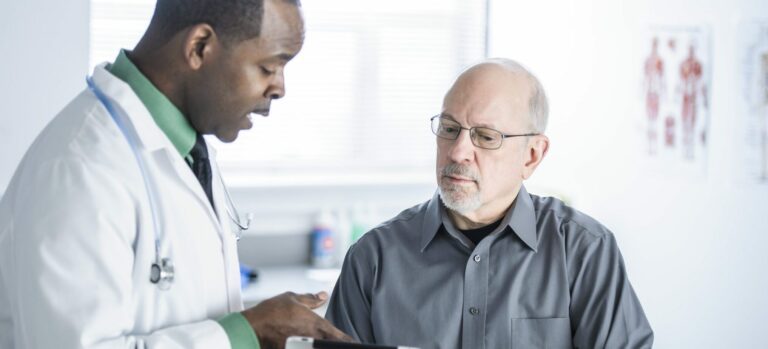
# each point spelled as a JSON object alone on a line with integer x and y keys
{"x": 490, "y": 94}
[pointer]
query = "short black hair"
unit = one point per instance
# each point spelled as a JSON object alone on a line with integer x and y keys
{"x": 233, "y": 20}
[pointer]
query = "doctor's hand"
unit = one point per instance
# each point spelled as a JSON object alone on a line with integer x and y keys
{"x": 289, "y": 314}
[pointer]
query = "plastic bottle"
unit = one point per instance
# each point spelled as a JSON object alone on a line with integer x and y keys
{"x": 323, "y": 244}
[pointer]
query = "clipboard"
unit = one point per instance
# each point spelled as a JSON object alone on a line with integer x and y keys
{"x": 295, "y": 342}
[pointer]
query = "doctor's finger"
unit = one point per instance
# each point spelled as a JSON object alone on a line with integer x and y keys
{"x": 312, "y": 300}
{"x": 332, "y": 333}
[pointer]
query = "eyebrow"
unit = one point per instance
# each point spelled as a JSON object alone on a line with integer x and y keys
{"x": 450, "y": 117}
{"x": 280, "y": 58}
{"x": 285, "y": 57}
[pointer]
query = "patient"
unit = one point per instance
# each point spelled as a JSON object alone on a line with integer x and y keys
{"x": 485, "y": 264}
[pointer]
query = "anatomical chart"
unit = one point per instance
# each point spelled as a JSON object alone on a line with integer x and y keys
{"x": 754, "y": 104}
{"x": 676, "y": 80}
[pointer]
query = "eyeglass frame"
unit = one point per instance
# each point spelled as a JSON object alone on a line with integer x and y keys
{"x": 471, "y": 129}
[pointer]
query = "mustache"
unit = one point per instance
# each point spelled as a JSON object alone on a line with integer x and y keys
{"x": 459, "y": 170}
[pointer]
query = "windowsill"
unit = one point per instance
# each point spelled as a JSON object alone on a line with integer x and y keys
{"x": 242, "y": 179}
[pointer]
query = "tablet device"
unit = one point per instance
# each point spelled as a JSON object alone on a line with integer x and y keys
{"x": 311, "y": 343}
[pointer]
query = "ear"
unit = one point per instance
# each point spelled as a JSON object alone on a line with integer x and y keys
{"x": 537, "y": 149}
{"x": 200, "y": 43}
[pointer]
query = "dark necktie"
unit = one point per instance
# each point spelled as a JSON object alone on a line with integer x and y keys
{"x": 201, "y": 166}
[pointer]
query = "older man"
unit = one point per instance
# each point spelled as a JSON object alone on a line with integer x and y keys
{"x": 485, "y": 264}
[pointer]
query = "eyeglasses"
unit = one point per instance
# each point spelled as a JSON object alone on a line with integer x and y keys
{"x": 482, "y": 137}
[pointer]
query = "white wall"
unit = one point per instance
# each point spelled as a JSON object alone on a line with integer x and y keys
{"x": 694, "y": 246}
{"x": 43, "y": 62}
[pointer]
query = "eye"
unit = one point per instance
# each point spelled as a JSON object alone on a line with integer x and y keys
{"x": 265, "y": 70}
{"x": 486, "y": 135}
{"x": 486, "y": 138}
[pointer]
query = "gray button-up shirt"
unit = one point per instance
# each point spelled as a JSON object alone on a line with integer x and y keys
{"x": 548, "y": 277}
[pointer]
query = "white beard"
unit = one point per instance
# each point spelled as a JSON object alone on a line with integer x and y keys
{"x": 461, "y": 199}
{"x": 458, "y": 199}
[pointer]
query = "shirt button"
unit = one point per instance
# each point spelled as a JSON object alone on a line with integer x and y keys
{"x": 474, "y": 311}
{"x": 477, "y": 258}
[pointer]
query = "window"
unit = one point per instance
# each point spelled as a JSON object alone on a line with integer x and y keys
{"x": 359, "y": 95}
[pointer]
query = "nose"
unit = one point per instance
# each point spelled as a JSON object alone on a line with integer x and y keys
{"x": 276, "y": 89}
{"x": 462, "y": 150}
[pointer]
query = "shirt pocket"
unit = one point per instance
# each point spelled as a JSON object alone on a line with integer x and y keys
{"x": 550, "y": 333}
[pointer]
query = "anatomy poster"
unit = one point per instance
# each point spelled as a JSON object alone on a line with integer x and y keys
{"x": 754, "y": 76}
{"x": 676, "y": 71}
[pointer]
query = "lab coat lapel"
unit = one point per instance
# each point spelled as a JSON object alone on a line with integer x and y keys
{"x": 229, "y": 241}
{"x": 218, "y": 193}
{"x": 161, "y": 153}
{"x": 131, "y": 109}
{"x": 151, "y": 138}
{"x": 181, "y": 170}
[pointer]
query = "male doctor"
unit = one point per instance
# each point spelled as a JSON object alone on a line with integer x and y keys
{"x": 82, "y": 243}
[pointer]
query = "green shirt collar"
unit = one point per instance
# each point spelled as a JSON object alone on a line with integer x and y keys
{"x": 166, "y": 115}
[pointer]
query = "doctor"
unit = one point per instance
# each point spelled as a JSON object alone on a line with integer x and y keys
{"x": 116, "y": 230}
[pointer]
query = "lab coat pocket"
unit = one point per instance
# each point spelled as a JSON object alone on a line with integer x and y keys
{"x": 550, "y": 333}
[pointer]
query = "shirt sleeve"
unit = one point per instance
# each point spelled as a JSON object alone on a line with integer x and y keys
{"x": 605, "y": 312}
{"x": 239, "y": 331}
{"x": 349, "y": 308}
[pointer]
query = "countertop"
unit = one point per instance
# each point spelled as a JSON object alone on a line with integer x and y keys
{"x": 298, "y": 279}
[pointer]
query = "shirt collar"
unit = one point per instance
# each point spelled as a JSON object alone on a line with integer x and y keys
{"x": 521, "y": 217}
{"x": 166, "y": 115}
{"x": 432, "y": 221}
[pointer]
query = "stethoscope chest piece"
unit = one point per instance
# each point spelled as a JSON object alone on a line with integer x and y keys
{"x": 162, "y": 274}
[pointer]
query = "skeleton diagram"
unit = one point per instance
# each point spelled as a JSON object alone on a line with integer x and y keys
{"x": 654, "y": 89}
{"x": 692, "y": 84}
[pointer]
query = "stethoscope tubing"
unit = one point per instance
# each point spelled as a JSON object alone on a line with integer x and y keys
{"x": 142, "y": 167}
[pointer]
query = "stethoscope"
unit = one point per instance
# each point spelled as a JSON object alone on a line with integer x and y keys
{"x": 161, "y": 271}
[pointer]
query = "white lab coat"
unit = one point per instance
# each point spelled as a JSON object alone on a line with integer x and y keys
{"x": 76, "y": 238}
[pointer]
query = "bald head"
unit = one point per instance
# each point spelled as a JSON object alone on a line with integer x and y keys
{"x": 504, "y": 111}
{"x": 503, "y": 81}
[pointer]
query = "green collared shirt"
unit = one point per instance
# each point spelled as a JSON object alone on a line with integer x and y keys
{"x": 182, "y": 135}
{"x": 166, "y": 115}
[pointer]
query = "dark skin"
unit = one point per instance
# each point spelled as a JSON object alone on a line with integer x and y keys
{"x": 217, "y": 85}
{"x": 288, "y": 314}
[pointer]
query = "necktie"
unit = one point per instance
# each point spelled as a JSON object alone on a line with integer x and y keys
{"x": 201, "y": 166}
